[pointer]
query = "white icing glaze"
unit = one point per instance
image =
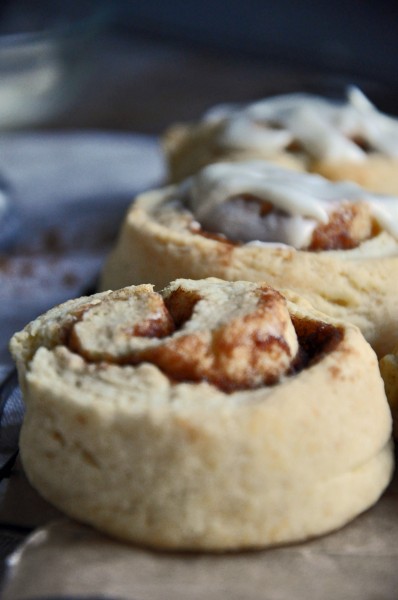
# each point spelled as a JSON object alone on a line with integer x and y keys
{"x": 322, "y": 127}
{"x": 301, "y": 200}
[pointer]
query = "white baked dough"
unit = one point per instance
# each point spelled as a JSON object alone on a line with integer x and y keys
{"x": 346, "y": 140}
{"x": 183, "y": 464}
{"x": 161, "y": 240}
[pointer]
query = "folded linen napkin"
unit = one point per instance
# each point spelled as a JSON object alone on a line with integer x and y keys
{"x": 69, "y": 192}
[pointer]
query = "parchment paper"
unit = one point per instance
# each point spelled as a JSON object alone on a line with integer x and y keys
{"x": 358, "y": 562}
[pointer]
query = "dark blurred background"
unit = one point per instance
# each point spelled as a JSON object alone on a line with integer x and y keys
{"x": 140, "y": 65}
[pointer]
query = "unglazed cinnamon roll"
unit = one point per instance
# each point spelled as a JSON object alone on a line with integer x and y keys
{"x": 213, "y": 415}
{"x": 348, "y": 140}
{"x": 333, "y": 243}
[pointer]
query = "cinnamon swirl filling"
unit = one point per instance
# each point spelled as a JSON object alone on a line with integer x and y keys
{"x": 234, "y": 335}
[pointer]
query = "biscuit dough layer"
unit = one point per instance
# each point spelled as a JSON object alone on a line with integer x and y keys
{"x": 184, "y": 464}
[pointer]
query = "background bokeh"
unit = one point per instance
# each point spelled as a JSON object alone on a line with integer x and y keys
{"x": 139, "y": 65}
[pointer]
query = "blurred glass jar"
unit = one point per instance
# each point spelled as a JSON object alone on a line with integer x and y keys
{"x": 41, "y": 72}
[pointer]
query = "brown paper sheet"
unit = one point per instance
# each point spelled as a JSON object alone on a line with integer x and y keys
{"x": 358, "y": 562}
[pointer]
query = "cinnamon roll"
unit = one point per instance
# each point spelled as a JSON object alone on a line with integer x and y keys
{"x": 334, "y": 243}
{"x": 212, "y": 415}
{"x": 348, "y": 140}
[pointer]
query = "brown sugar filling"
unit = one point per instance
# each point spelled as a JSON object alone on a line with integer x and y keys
{"x": 348, "y": 226}
{"x": 190, "y": 358}
{"x": 362, "y": 143}
{"x": 316, "y": 339}
{"x": 194, "y": 358}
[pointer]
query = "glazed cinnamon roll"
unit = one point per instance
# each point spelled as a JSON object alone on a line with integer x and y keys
{"x": 213, "y": 415}
{"x": 348, "y": 140}
{"x": 333, "y": 243}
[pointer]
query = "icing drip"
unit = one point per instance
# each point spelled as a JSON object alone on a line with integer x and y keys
{"x": 324, "y": 129}
{"x": 300, "y": 201}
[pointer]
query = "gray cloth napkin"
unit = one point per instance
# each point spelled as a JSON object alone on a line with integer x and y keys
{"x": 68, "y": 193}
